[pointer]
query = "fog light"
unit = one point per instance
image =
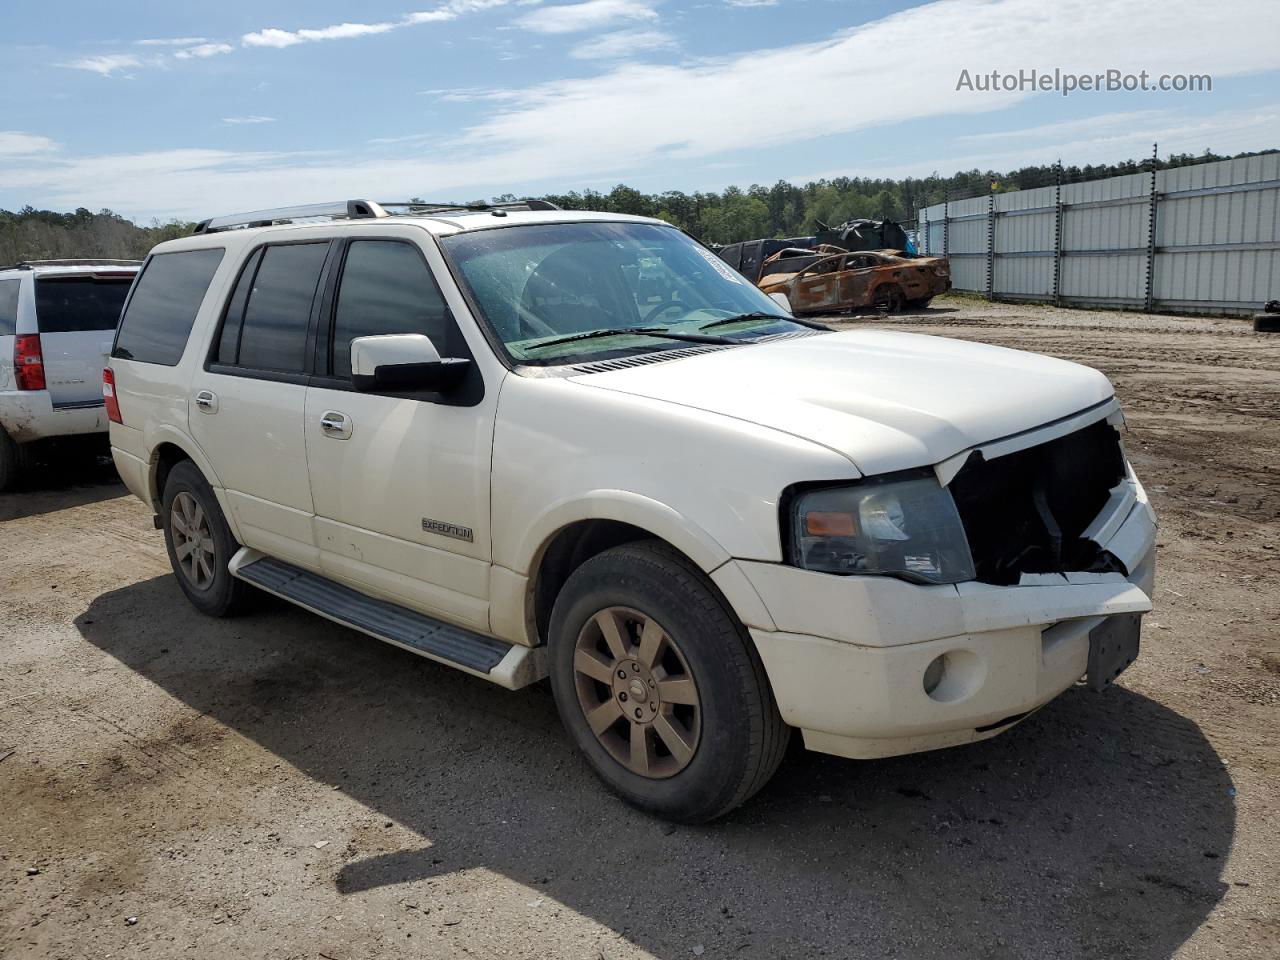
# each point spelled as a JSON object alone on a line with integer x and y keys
{"x": 933, "y": 674}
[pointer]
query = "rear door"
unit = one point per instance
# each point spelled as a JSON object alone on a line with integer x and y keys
{"x": 856, "y": 279}
{"x": 76, "y": 314}
{"x": 246, "y": 402}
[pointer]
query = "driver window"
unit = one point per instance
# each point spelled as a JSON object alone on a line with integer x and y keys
{"x": 386, "y": 288}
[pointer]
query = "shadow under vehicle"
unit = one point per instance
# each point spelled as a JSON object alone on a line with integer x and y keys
{"x": 1096, "y": 828}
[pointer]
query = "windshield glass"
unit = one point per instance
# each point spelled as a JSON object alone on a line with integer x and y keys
{"x": 543, "y": 282}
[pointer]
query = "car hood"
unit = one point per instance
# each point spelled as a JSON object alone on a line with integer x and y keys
{"x": 887, "y": 401}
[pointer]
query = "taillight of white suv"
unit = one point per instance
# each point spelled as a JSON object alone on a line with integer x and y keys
{"x": 109, "y": 396}
{"x": 28, "y": 362}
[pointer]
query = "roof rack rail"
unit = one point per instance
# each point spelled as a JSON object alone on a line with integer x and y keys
{"x": 339, "y": 210}
{"x": 73, "y": 262}
{"x": 421, "y": 207}
{"x": 358, "y": 210}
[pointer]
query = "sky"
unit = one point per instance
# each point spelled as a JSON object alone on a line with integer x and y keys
{"x": 158, "y": 109}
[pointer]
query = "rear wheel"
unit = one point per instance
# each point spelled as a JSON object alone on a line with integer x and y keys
{"x": 200, "y": 544}
{"x": 887, "y": 298}
{"x": 10, "y": 461}
{"x": 660, "y": 686}
{"x": 920, "y": 303}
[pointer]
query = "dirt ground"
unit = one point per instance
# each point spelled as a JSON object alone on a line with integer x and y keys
{"x": 277, "y": 786}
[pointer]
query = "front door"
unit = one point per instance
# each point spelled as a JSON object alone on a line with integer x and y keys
{"x": 246, "y": 408}
{"x": 400, "y": 481}
{"x": 817, "y": 288}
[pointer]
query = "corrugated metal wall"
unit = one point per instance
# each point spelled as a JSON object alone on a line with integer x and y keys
{"x": 1196, "y": 238}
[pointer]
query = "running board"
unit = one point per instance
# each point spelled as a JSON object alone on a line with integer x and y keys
{"x": 508, "y": 665}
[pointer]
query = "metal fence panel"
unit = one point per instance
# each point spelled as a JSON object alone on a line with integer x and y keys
{"x": 1204, "y": 237}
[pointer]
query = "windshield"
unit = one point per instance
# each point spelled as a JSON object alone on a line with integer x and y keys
{"x": 540, "y": 283}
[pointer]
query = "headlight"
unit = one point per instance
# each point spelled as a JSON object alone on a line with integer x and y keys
{"x": 899, "y": 528}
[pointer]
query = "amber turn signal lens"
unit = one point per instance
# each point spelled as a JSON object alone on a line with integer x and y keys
{"x": 827, "y": 524}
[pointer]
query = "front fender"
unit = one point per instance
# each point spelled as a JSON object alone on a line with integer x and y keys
{"x": 625, "y": 507}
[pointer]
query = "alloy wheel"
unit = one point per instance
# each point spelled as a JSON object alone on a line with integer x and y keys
{"x": 193, "y": 544}
{"x": 637, "y": 693}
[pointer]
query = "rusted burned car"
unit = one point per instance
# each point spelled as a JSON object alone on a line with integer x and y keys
{"x": 868, "y": 280}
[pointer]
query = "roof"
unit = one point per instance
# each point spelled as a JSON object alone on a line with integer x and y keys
{"x": 440, "y": 224}
{"x": 86, "y": 265}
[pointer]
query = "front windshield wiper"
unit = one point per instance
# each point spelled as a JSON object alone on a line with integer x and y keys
{"x": 760, "y": 315}
{"x": 660, "y": 332}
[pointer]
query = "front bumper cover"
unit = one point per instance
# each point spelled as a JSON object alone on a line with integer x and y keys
{"x": 846, "y": 656}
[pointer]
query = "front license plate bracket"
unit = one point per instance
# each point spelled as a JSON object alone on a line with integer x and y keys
{"x": 1113, "y": 645}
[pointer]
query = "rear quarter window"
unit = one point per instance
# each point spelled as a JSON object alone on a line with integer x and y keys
{"x": 166, "y": 298}
{"x": 73, "y": 304}
{"x": 9, "y": 307}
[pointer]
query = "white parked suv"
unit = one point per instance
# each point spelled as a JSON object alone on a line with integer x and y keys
{"x": 57, "y": 320}
{"x": 526, "y": 442}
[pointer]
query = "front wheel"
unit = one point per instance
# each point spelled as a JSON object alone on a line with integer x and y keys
{"x": 660, "y": 686}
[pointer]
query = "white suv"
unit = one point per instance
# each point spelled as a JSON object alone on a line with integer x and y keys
{"x": 526, "y": 442}
{"x": 57, "y": 319}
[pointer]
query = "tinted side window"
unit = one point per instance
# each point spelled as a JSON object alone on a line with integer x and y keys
{"x": 273, "y": 335}
{"x": 229, "y": 338}
{"x": 386, "y": 288}
{"x": 9, "y": 307}
{"x": 72, "y": 304}
{"x": 159, "y": 315}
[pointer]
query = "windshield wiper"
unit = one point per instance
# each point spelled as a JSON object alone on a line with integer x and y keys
{"x": 760, "y": 315}
{"x": 660, "y": 332}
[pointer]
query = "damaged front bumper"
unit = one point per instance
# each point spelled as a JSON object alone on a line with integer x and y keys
{"x": 849, "y": 658}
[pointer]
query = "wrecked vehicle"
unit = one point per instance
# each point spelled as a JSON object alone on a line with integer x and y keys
{"x": 880, "y": 280}
{"x": 749, "y": 256}
{"x": 856, "y": 235}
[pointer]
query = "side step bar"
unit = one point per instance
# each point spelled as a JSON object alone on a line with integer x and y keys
{"x": 508, "y": 665}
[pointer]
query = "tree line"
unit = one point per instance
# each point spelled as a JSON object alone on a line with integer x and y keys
{"x": 781, "y": 210}
{"x": 31, "y": 234}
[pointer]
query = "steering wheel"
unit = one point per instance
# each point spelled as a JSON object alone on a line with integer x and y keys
{"x": 662, "y": 308}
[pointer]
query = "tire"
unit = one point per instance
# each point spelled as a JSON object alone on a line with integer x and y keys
{"x": 887, "y": 298}
{"x": 189, "y": 503}
{"x": 1266, "y": 322}
{"x": 10, "y": 461}
{"x": 919, "y": 304}
{"x": 731, "y": 738}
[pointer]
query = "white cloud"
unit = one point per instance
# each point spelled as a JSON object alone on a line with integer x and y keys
{"x": 752, "y": 3}
{"x": 457, "y": 8}
{"x": 203, "y": 50}
{"x": 622, "y": 44}
{"x": 634, "y": 118}
{"x": 575, "y": 17}
{"x": 106, "y": 64}
{"x": 253, "y": 118}
{"x": 274, "y": 37}
{"x": 16, "y": 144}
{"x": 170, "y": 42}
{"x": 470, "y": 94}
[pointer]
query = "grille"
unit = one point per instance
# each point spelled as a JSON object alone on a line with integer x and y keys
{"x": 1025, "y": 512}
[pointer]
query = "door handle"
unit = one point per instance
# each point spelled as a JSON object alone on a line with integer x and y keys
{"x": 207, "y": 401}
{"x": 336, "y": 425}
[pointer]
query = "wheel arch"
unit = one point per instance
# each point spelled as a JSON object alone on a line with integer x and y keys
{"x": 589, "y": 527}
{"x": 170, "y": 448}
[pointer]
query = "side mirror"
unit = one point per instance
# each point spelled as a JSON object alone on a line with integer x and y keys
{"x": 402, "y": 362}
{"x": 781, "y": 300}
